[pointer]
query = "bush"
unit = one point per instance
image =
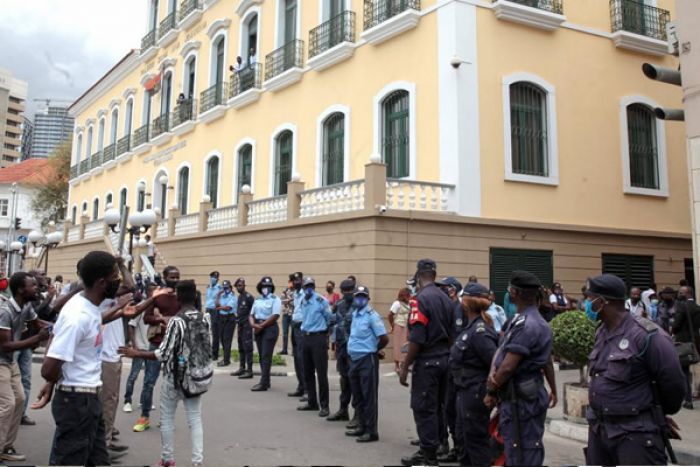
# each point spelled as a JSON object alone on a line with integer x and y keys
{"x": 277, "y": 360}
{"x": 573, "y": 337}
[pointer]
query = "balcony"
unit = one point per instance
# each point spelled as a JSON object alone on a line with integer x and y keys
{"x": 542, "y": 14}
{"x": 184, "y": 117}
{"x": 140, "y": 140}
{"x": 160, "y": 130}
{"x": 96, "y": 162}
{"x": 385, "y": 19}
{"x": 190, "y": 13}
{"x": 148, "y": 45}
{"x": 332, "y": 42}
{"x": 245, "y": 86}
{"x": 124, "y": 145}
{"x": 639, "y": 27}
{"x": 213, "y": 102}
{"x": 73, "y": 171}
{"x": 167, "y": 31}
{"x": 84, "y": 166}
{"x": 109, "y": 154}
{"x": 283, "y": 67}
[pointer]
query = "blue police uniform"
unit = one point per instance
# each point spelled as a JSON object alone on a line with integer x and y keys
{"x": 245, "y": 334}
{"x": 263, "y": 309}
{"x": 530, "y": 336}
{"x": 343, "y": 321}
{"x": 470, "y": 361}
{"x": 210, "y": 306}
{"x": 298, "y": 342}
{"x": 459, "y": 324}
{"x": 316, "y": 314}
{"x": 366, "y": 329}
{"x": 227, "y": 323}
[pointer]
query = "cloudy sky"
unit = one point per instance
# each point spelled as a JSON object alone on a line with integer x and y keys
{"x": 61, "y": 47}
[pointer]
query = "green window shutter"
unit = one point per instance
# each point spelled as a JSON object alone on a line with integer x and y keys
{"x": 213, "y": 180}
{"x": 183, "y": 189}
{"x": 283, "y": 162}
{"x": 643, "y": 154}
{"x": 333, "y": 149}
{"x": 395, "y": 140}
{"x": 245, "y": 167}
{"x": 503, "y": 261}
{"x": 528, "y": 126}
{"x": 635, "y": 270}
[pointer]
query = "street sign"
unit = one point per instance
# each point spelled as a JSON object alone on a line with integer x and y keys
{"x": 22, "y": 239}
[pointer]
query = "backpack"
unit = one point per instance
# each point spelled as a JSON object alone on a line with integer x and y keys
{"x": 195, "y": 371}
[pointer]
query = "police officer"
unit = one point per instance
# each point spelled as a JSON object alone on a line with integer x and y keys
{"x": 316, "y": 313}
{"x": 428, "y": 351}
{"x": 516, "y": 376}
{"x": 470, "y": 361}
{"x": 631, "y": 357}
{"x": 226, "y": 307}
{"x": 297, "y": 335}
{"x": 263, "y": 320}
{"x": 367, "y": 338}
{"x": 343, "y": 320}
{"x": 245, "y": 331}
{"x": 212, "y": 293}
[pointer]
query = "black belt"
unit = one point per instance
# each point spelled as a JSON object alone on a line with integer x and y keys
{"x": 316, "y": 333}
{"x": 605, "y": 417}
{"x": 258, "y": 321}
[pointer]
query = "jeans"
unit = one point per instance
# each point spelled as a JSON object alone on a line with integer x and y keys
{"x": 169, "y": 397}
{"x": 286, "y": 324}
{"x": 136, "y": 365}
{"x": 80, "y": 431}
{"x": 149, "y": 382}
{"x": 24, "y": 360}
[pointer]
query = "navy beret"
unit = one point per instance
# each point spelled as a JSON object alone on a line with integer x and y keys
{"x": 450, "y": 281}
{"x": 524, "y": 280}
{"x": 425, "y": 265}
{"x": 607, "y": 286}
{"x": 295, "y": 275}
{"x": 474, "y": 289}
{"x": 347, "y": 285}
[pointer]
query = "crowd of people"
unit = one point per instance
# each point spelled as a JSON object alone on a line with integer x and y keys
{"x": 466, "y": 355}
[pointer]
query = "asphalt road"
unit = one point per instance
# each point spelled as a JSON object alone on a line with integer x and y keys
{"x": 246, "y": 428}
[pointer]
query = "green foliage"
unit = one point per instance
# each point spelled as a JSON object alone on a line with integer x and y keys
{"x": 50, "y": 202}
{"x": 573, "y": 337}
{"x": 277, "y": 360}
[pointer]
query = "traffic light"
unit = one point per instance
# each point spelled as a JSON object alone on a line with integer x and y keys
{"x": 18, "y": 223}
{"x": 669, "y": 76}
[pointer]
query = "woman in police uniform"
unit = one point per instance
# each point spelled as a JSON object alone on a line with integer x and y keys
{"x": 470, "y": 361}
{"x": 263, "y": 320}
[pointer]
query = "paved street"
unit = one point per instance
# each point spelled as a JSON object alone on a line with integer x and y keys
{"x": 242, "y": 427}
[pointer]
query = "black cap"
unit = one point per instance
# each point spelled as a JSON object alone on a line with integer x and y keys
{"x": 348, "y": 285}
{"x": 295, "y": 276}
{"x": 226, "y": 283}
{"x": 607, "y": 286}
{"x": 308, "y": 280}
{"x": 239, "y": 281}
{"x": 362, "y": 290}
{"x": 667, "y": 290}
{"x": 524, "y": 280}
{"x": 214, "y": 274}
{"x": 426, "y": 265}
{"x": 266, "y": 281}
{"x": 474, "y": 289}
{"x": 450, "y": 281}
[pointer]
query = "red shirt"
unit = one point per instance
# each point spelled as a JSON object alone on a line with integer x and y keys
{"x": 332, "y": 298}
{"x": 168, "y": 307}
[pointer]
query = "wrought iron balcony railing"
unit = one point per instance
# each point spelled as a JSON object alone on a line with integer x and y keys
{"x": 168, "y": 24}
{"x": 148, "y": 41}
{"x": 161, "y": 124}
{"x": 290, "y": 55}
{"x": 185, "y": 111}
{"x": 215, "y": 95}
{"x": 109, "y": 153}
{"x": 378, "y": 11}
{"x": 84, "y": 166}
{"x": 340, "y": 28}
{"x": 188, "y": 6}
{"x": 141, "y": 135}
{"x": 74, "y": 171}
{"x": 638, "y": 18}
{"x": 248, "y": 78}
{"x": 124, "y": 145}
{"x": 96, "y": 160}
{"x": 552, "y": 6}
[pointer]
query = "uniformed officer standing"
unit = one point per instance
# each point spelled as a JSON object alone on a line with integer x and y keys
{"x": 297, "y": 335}
{"x": 263, "y": 320}
{"x": 470, "y": 361}
{"x": 367, "y": 338}
{"x": 428, "y": 351}
{"x": 516, "y": 376}
{"x": 245, "y": 331}
{"x": 212, "y": 293}
{"x": 316, "y": 314}
{"x": 343, "y": 320}
{"x": 226, "y": 307}
{"x": 632, "y": 358}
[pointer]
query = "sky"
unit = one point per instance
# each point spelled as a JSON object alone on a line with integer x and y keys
{"x": 62, "y": 47}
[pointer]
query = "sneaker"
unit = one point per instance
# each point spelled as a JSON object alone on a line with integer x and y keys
{"x": 142, "y": 424}
{"x": 162, "y": 463}
{"x": 10, "y": 454}
{"x": 127, "y": 407}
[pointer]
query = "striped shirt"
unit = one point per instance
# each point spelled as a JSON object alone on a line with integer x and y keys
{"x": 171, "y": 346}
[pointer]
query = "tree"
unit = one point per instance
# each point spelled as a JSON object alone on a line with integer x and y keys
{"x": 51, "y": 200}
{"x": 573, "y": 337}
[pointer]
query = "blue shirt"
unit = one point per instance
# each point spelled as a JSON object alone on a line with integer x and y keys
{"x": 265, "y": 307}
{"x": 212, "y": 293}
{"x": 529, "y": 335}
{"x": 366, "y": 329}
{"x": 315, "y": 312}
{"x": 298, "y": 296}
{"x": 228, "y": 300}
{"x": 498, "y": 315}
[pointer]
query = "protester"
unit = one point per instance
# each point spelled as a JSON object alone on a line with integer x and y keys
{"x": 635, "y": 304}
{"x": 138, "y": 339}
{"x": 398, "y": 323}
{"x": 667, "y": 308}
{"x": 685, "y": 330}
{"x": 287, "y": 310}
{"x": 496, "y": 313}
{"x": 559, "y": 301}
{"x": 151, "y": 248}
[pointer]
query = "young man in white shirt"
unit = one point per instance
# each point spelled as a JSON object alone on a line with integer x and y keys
{"x": 635, "y": 305}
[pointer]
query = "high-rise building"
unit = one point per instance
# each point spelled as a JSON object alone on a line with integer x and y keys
{"x": 27, "y": 138}
{"x": 51, "y": 128}
{"x": 13, "y": 94}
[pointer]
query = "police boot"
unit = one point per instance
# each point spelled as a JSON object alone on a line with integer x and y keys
{"x": 248, "y": 374}
{"x": 420, "y": 458}
{"x": 340, "y": 416}
{"x": 355, "y": 422}
{"x": 443, "y": 450}
{"x": 238, "y": 372}
{"x": 450, "y": 456}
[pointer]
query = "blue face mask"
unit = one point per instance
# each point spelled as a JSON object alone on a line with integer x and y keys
{"x": 227, "y": 291}
{"x": 360, "y": 302}
{"x": 590, "y": 313}
{"x": 213, "y": 281}
{"x": 308, "y": 292}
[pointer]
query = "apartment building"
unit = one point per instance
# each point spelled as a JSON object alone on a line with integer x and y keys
{"x": 13, "y": 94}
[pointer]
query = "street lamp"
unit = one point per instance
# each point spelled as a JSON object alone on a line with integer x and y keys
{"x": 47, "y": 241}
{"x": 15, "y": 248}
{"x": 139, "y": 222}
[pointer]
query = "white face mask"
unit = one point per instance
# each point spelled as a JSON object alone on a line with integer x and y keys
{"x": 265, "y": 291}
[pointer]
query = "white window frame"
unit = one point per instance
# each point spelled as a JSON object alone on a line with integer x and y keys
{"x": 193, "y": 54}
{"x": 101, "y": 128}
{"x": 176, "y": 184}
{"x": 4, "y": 204}
{"x": 108, "y": 194}
{"x": 95, "y": 215}
{"x": 279, "y": 34}
{"x": 130, "y": 115}
{"x": 663, "y": 190}
{"x": 78, "y": 148}
{"x": 378, "y": 123}
{"x": 88, "y": 141}
{"x": 206, "y": 175}
{"x": 136, "y": 195}
{"x": 240, "y": 145}
{"x": 156, "y": 187}
{"x": 324, "y": 9}
{"x": 320, "y": 122}
{"x": 552, "y": 138}
{"x": 273, "y": 150}
{"x": 126, "y": 202}
{"x": 113, "y": 140}
{"x": 243, "y": 33}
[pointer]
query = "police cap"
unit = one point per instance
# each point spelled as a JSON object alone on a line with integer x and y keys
{"x": 450, "y": 281}
{"x": 426, "y": 265}
{"x": 239, "y": 281}
{"x": 214, "y": 274}
{"x": 266, "y": 281}
{"x": 295, "y": 276}
{"x": 226, "y": 284}
{"x": 524, "y": 280}
{"x": 348, "y": 285}
{"x": 308, "y": 281}
{"x": 607, "y": 286}
{"x": 362, "y": 290}
{"x": 474, "y": 289}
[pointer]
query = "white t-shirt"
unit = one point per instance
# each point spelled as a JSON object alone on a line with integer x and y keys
{"x": 637, "y": 309}
{"x": 77, "y": 341}
{"x": 140, "y": 332}
{"x": 553, "y": 300}
{"x": 112, "y": 335}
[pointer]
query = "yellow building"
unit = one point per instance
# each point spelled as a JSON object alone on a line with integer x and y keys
{"x": 515, "y": 133}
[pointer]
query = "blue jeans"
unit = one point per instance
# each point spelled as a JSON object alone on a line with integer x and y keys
{"x": 136, "y": 365}
{"x": 24, "y": 361}
{"x": 149, "y": 382}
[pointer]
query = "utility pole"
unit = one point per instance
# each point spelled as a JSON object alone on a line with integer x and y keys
{"x": 11, "y": 228}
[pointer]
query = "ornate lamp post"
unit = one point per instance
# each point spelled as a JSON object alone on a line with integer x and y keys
{"x": 139, "y": 223}
{"x": 52, "y": 240}
{"x": 15, "y": 248}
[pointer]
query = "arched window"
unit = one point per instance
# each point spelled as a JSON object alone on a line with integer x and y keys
{"x": 147, "y": 103}
{"x": 88, "y": 146}
{"x": 283, "y": 162}
{"x": 101, "y": 135}
{"x": 153, "y": 15}
{"x": 290, "y": 21}
{"x": 643, "y": 147}
{"x": 190, "y": 76}
{"x": 108, "y": 200}
{"x": 74, "y": 215}
{"x": 122, "y": 199}
{"x": 213, "y": 180}
{"x": 95, "y": 209}
{"x": 183, "y": 189}
{"x": 140, "y": 199}
{"x": 160, "y": 192}
{"x": 128, "y": 117}
{"x": 79, "y": 147}
{"x": 395, "y": 137}
{"x": 250, "y": 39}
{"x": 115, "y": 126}
{"x": 245, "y": 167}
{"x": 165, "y": 93}
{"x": 218, "y": 61}
{"x": 84, "y": 210}
{"x": 333, "y": 149}
{"x": 528, "y": 129}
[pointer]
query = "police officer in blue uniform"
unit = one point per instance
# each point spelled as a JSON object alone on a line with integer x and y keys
{"x": 470, "y": 361}
{"x": 316, "y": 316}
{"x": 367, "y": 339}
{"x": 212, "y": 293}
{"x": 297, "y": 335}
{"x": 516, "y": 376}
{"x": 631, "y": 360}
{"x": 226, "y": 306}
{"x": 263, "y": 320}
{"x": 245, "y": 331}
{"x": 429, "y": 343}
{"x": 343, "y": 321}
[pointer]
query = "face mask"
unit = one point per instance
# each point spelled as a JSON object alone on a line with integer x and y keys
{"x": 171, "y": 283}
{"x": 240, "y": 289}
{"x": 590, "y": 314}
{"x": 329, "y": 289}
{"x": 347, "y": 297}
{"x": 297, "y": 285}
{"x": 445, "y": 290}
{"x": 655, "y": 301}
{"x": 308, "y": 292}
{"x": 112, "y": 288}
{"x": 360, "y": 302}
{"x": 265, "y": 291}
{"x": 213, "y": 281}
{"x": 227, "y": 291}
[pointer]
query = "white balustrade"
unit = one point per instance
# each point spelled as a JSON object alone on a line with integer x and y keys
{"x": 267, "y": 210}
{"x": 162, "y": 229}
{"x": 223, "y": 218}
{"x": 333, "y": 199}
{"x": 94, "y": 229}
{"x": 421, "y": 196}
{"x": 188, "y": 224}
{"x": 74, "y": 233}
